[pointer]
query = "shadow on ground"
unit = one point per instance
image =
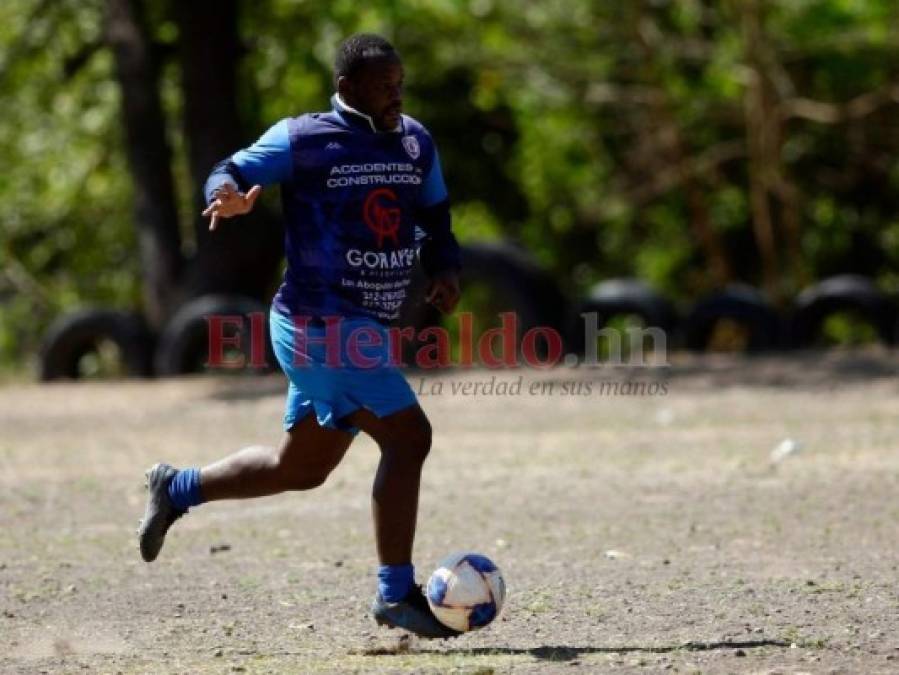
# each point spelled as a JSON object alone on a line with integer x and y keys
{"x": 564, "y": 653}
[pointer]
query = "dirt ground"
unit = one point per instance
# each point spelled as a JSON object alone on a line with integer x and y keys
{"x": 637, "y": 533}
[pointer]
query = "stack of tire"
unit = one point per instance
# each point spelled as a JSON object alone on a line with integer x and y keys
{"x": 519, "y": 285}
{"x": 182, "y": 347}
{"x": 515, "y": 283}
{"x": 759, "y": 326}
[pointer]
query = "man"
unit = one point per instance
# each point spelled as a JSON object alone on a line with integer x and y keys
{"x": 357, "y": 183}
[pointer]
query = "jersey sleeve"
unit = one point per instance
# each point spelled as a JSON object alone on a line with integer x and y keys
{"x": 265, "y": 162}
{"x": 433, "y": 189}
{"x": 439, "y": 250}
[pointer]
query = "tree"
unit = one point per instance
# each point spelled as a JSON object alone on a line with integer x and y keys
{"x": 241, "y": 256}
{"x": 149, "y": 157}
{"x": 690, "y": 143}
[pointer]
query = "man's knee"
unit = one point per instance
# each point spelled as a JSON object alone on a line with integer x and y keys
{"x": 310, "y": 481}
{"x": 305, "y": 477}
{"x": 414, "y": 440}
{"x": 421, "y": 438}
{"x": 307, "y": 466}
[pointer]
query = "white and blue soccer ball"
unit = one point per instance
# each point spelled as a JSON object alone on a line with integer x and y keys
{"x": 466, "y": 591}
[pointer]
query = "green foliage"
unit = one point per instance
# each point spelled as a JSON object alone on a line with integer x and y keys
{"x": 65, "y": 229}
{"x": 600, "y": 134}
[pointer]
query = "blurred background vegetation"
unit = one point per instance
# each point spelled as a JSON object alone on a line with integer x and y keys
{"x": 687, "y": 142}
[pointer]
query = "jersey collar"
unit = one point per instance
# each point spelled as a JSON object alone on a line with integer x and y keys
{"x": 353, "y": 116}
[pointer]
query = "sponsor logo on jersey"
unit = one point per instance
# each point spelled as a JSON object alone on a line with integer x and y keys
{"x": 400, "y": 258}
{"x": 374, "y": 173}
{"x": 410, "y": 143}
{"x": 381, "y": 213}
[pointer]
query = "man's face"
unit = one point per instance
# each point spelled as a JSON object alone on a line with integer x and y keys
{"x": 376, "y": 90}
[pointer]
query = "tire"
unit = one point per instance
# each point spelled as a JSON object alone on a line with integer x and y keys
{"x": 742, "y": 305}
{"x": 184, "y": 344}
{"x": 839, "y": 294}
{"x": 615, "y": 297}
{"x": 515, "y": 283}
{"x": 529, "y": 289}
{"x": 76, "y": 334}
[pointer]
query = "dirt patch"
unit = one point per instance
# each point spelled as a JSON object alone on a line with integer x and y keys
{"x": 637, "y": 531}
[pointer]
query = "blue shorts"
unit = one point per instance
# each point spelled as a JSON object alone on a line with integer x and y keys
{"x": 367, "y": 380}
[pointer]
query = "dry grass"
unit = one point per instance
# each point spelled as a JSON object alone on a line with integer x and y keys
{"x": 635, "y": 533}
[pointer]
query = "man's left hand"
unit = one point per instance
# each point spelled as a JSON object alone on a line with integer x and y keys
{"x": 443, "y": 291}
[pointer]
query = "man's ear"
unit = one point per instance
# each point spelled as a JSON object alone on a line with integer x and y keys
{"x": 343, "y": 87}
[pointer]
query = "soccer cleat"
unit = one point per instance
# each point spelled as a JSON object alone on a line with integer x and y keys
{"x": 412, "y": 613}
{"x": 160, "y": 512}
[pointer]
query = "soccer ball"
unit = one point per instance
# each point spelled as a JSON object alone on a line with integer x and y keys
{"x": 466, "y": 591}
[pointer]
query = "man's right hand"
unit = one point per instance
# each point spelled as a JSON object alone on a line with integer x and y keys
{"x": 229, "y": 202}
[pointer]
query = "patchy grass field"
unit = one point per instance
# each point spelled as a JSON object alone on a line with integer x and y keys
{"x": 636, "y": 534}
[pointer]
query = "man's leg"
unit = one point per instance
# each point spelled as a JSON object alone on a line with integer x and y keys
{"x": 308, "y": 454}
{"x": 303, "y": 461}
{"x": 405, "y": 440}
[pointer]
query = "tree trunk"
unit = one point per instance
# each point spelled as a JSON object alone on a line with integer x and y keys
{"x": 243, "y": 254}
{"x": 673, "y": 152}
{"x": 758, "y": 110}
{"x": 149, "y": 157}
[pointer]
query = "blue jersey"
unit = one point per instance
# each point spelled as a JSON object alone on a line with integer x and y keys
{"x": 353, "y": 199}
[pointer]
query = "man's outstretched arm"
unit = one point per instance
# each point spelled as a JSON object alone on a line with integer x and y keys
{"x": 235, "y": 183}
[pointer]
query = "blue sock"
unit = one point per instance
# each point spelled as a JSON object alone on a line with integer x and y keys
{"x": 184, "y": 489}
{"x": 395, "y": 581}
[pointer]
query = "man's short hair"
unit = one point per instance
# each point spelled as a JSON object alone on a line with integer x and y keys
{"x": 359, "y": 49}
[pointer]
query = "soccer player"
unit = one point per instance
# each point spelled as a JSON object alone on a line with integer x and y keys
{"x": 362, "y": 192}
